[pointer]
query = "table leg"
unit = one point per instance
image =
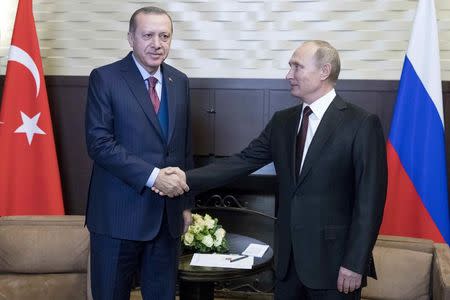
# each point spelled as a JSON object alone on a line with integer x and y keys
{"x": 196, "y": 290}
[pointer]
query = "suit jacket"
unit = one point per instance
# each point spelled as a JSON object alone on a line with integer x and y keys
{"x": 126, "y": 142}
{"x": 331, "y": 214}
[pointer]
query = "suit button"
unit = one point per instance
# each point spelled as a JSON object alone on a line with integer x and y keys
{"x": 167, "y": 153}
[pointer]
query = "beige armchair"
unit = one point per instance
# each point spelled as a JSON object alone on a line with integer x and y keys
{"x": 408, "y": 269}
{"x": 43, "y": 257}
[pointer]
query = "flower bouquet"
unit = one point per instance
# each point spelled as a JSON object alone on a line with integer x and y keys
{"x": 205, "y": 235}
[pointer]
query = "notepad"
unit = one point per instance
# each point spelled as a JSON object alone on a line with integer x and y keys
{"x": 221, "y": 261}
{"x": 255, "y": 250}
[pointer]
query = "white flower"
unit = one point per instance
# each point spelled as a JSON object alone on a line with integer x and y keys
{"x": 188, "y": 238}
{"x": 202, "y": 224}
{"x": 219, "y": 234}
{"x": 197, "y": 218}
{"x": 198, "y": 221}
{"x": 209, "y": 223}
{"x": 195, "y": 228}
{"x": 208, "y": 241}
{"x": 217, "y": 242}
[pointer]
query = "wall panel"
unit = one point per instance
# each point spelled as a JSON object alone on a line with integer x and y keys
{"x": 258, "y": 98}
{"x": 233, "y": 38}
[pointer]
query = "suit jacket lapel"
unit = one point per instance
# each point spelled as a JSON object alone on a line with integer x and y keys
{"x": 328, "y": 125}
{"x": 137, "y": 87}
{"x": 172, "y": 96}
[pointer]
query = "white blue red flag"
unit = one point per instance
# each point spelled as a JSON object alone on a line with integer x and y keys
{"x": 417, "y": 199}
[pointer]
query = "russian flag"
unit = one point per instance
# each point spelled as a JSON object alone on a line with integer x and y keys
{"x": 417, "y": 199}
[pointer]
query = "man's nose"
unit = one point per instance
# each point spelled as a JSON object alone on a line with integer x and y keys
{"x": 289, "y": 74}
{"x": 156, "y": 41}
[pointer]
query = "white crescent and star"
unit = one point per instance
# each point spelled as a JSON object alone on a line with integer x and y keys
{"x": 29, "y": 125}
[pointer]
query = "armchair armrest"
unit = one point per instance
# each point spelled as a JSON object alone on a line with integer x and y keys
{"x": 441, "y": 272}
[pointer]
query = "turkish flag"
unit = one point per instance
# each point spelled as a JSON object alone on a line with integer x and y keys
{"x": 29, "y": 174}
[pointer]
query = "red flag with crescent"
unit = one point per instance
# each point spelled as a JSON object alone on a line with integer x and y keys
{"x": 29, "y": 175}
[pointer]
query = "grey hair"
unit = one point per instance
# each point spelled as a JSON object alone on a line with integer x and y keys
{"x": 327, "y": 54}
{"x": 148, "y": 10}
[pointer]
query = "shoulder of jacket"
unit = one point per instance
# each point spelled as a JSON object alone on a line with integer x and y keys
{"x": 109, "y": 68}
{"x": 172, "y": 71}
{"x": 356, "y": 111}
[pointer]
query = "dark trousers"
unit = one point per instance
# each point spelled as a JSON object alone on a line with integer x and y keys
{"x": 114, "y": 263}
{"x": 291, "y": 288}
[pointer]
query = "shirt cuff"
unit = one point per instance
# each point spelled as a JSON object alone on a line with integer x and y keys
{"x": 151, "y": 180}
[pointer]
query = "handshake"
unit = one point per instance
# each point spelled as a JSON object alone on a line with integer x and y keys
{"x": 170, "y": 182}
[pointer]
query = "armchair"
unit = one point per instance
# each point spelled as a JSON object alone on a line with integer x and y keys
{"x": 43, "y": 257}
{"x": 409, "y": 268}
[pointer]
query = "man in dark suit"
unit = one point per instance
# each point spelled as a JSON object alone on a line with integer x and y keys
{"x": 137, "y": 121}
{"x": 330, "y": 161}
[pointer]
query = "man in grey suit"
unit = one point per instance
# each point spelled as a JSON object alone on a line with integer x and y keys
{"x": 137, "y": 123}
{"x": 330, "y": 160}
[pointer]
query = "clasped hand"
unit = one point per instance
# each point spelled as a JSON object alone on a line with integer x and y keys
{"x": 170, "y": 182}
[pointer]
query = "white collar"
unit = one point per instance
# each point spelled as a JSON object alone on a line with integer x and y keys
{"x": 145, "y": 74}
{"x": 319, "y": 106}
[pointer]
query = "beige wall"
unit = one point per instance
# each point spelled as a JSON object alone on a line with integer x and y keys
{"x": 230, "y": 38}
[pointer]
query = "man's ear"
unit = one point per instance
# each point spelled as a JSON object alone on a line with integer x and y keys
{"x": 130, "y": 38}
{"x": 325, "y": 71}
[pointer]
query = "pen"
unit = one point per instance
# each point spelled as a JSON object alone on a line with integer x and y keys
{"x": 238, "y": 258}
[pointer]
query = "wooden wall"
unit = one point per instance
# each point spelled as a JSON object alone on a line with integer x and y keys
{"x": 226, "y": 113}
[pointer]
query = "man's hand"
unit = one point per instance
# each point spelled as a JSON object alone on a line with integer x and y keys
{"x": 170, "y": 182}
{"x": 187, "y": 217}
{"x": 348, "y": 281}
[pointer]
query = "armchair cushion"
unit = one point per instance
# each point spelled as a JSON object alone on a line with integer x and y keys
{"x": 43, "y": 244}
{"x": 402, "y": 274}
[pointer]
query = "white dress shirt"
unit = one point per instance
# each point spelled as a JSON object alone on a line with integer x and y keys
{"x": 318, "y": 109}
